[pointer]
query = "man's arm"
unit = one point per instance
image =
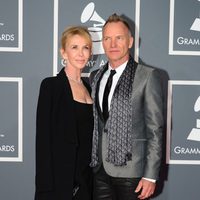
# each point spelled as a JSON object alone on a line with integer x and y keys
{"x": 153, "y": 102}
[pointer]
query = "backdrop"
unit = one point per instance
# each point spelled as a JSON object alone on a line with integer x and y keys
{"x": 167, "y": 36}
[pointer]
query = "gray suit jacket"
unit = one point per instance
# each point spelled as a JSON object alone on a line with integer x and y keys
{"x": 147, "y": 102}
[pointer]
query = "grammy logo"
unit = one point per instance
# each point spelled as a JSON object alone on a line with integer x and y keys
{"x": 195, "y": 132}
{"x": 196, "y": 24}
{"x": 89, "y": 14}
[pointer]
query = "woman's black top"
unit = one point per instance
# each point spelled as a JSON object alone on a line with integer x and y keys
{"x": 83, "y": 173}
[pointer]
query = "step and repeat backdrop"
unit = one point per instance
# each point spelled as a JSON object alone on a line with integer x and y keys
{"x": 166, "y": 36}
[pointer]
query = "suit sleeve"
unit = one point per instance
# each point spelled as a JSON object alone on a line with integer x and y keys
{"x": 44, "y": 177}
{"x": 153, "y": 103}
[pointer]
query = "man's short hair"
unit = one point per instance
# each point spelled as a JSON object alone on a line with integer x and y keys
{"x": 117, "y": 18}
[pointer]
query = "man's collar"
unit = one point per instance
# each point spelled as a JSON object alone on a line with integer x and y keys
{"x": 120, "y": 68}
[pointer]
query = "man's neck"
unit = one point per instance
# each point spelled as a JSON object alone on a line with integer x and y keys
{"x": 117, "y": 63}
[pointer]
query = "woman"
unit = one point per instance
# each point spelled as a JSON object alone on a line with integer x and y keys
{"x": 64, "y": 125}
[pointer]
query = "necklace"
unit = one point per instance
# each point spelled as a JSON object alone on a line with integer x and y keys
{"x": 72, "y": 79}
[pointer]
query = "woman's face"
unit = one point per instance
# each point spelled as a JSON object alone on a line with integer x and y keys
{"x": 77, "y": 52}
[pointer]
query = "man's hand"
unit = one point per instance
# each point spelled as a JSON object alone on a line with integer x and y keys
{"x": 146, "y": 187}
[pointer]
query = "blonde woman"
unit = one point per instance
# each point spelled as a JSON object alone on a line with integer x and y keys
{"x": 65, "y": 124}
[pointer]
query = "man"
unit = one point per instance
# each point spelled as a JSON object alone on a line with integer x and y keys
{"x": 128, "y": 120}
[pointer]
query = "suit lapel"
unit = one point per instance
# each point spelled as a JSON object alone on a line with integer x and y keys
{"x": 96, "y": 86}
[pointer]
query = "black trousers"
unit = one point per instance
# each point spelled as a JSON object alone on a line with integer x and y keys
{"x": 114, "y": 188}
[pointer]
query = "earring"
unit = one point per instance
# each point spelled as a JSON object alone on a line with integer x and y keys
{"x": 63, "y": 62}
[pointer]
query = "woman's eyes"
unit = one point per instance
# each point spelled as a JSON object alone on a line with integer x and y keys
{"x": 76, "y": 47}
{"x": 86, "y": 47}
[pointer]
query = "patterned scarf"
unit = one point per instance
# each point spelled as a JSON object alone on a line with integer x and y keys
{"x": 119, "y": 123}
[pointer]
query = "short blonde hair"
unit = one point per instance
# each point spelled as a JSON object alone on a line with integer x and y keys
{"x": 75, "y": 30}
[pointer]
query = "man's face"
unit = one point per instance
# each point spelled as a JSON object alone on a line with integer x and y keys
{"x": 116, "y": 42}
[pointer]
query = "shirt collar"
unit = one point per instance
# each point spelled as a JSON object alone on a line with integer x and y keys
{"x": 119, "y": 70}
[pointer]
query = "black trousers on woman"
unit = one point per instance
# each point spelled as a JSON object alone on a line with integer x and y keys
{"x": 114, "y": 188}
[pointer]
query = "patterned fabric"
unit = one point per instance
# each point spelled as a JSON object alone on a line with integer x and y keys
{"x": 95, "y": 140}
{"x": 119, "y": 123}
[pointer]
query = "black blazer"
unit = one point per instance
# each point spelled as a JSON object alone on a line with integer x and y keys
{"x": 56, "y": 139}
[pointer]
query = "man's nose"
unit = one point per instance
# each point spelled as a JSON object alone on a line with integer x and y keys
{"x": 113, "y": 43}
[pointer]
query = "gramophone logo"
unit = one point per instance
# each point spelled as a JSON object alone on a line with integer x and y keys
{"x": 195, "y": 132}
{"x": 184, "y": 36}
{"x": 89, "y": 14}
{"x": 196, "y": 24}
{"x": 183, "y": 123}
